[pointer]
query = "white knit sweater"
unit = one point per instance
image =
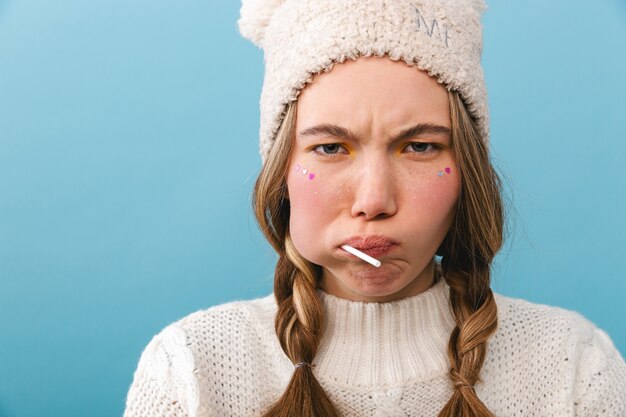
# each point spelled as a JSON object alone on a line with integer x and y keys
{"x": 380, "y": 359}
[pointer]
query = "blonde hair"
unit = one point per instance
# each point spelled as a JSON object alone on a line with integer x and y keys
{"x": 466, "y": 255}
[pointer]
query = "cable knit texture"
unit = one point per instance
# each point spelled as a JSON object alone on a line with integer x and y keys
{"x": 380, "y": 359}
{"x": 301, "y": 38}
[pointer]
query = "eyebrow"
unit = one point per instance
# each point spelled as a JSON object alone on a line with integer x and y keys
{"x": 330, "y": 129}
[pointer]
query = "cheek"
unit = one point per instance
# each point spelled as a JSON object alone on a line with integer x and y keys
{"x": 303, "y": 193}
{"x": 315, "y": 200}
{"x": 436, "y": 192}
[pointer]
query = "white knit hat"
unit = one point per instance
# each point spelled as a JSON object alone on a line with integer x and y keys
{"x": 301, "y": 38}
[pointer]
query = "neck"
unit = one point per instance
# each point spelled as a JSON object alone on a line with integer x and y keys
{"x": 398, "y": 341}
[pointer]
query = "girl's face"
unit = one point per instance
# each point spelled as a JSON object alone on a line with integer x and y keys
{"x": 372, "y": 166}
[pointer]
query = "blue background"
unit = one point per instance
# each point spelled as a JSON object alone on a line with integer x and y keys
{"x": 128, "y": 151}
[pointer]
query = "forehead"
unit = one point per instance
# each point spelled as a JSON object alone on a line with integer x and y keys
{"x": 373, "y": 90}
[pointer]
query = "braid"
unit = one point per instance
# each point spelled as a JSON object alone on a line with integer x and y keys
{"x": 300, "y": 314}
{"x": 467, "y": 346}
{"x": 299, "y": 327}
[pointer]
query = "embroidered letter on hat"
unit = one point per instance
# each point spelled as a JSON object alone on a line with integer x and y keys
{"x": 421, "y": 22}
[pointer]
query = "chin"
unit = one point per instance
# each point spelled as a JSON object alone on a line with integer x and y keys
{"x": 363, "y": 282}
{"x": 387, "y": 283}
{"x": 376, "y": 284}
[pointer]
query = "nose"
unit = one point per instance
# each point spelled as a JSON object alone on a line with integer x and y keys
{"x": 375, "y": 195}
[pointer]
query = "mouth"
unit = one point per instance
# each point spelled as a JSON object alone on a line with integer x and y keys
{"x": 374, "y": 245}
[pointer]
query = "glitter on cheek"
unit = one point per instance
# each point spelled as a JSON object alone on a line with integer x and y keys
{"x": 440, "y": 173}
{"x": 304, "y": 171}
{"x": 448, "y": 170}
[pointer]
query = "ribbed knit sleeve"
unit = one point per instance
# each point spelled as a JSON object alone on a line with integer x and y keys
{"x": 164, "y": 382}
{"x": 600, "y": 386}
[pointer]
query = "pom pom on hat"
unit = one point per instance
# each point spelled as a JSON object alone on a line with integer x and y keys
{"x": 254, "y": 17}
{"x": 479, "y": 5}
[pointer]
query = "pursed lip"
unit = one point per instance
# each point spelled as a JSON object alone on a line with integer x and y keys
{"x": 373, "y": 245}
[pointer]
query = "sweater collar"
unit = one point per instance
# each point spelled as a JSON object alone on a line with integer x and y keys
{"x": 380, "y": 344}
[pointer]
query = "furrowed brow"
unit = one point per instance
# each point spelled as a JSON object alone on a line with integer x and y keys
{"x": 419, "y": 129}
{"x": 328, "y": 129}
{"x": 422, "y": 129}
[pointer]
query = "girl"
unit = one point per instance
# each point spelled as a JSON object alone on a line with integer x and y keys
{"x": 379, "y": 197}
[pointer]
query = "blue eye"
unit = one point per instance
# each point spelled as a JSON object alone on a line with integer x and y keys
{"x": 329, "y": 149}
